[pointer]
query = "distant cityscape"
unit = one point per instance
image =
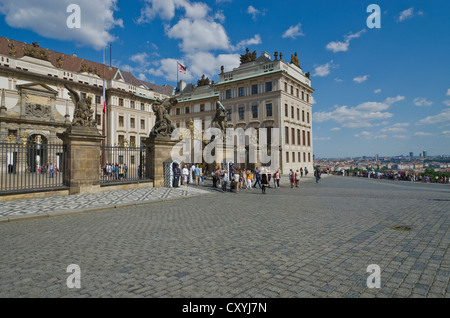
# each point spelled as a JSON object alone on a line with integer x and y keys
{"x": 407, "y": 164}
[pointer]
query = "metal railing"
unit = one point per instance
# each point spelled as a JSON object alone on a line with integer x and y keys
{"x": 120, "y": 164}
{"x": 31, "y": 167}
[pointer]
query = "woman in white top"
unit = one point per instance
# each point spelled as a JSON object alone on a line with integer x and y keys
{"x": 185, "y": 175}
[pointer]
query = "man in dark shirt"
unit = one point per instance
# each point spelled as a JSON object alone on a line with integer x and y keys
{"x": 177, "y": 175}
{"x": 258, "y": 178}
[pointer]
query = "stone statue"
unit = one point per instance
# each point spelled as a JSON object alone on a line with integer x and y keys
{"x": 12, "y": 49}
{"x": 82, "y": 115}
{"x": 248, "y": 57}
{"x": 220, "y": 119}
{"x": 163, "y": 124}
{"x": 294, "y": 60}
{"x": 59, "y": 62}
{"x": 203, "y": 81}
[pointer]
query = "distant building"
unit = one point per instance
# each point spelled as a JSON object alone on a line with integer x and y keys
{"x": 411, "y": 154}
{"x": 425, "y": 154}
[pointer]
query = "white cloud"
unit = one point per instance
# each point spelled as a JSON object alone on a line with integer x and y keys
{"x": 444, "y": 116}
{"x": 321, "y": 138}
{"x": 255, "y": 12}
{"x": 335, "y": 129}
{"x": 140, "y": 58}
{"x": 408, "y": 14}
{"x": 370, "y": 135}
{"x": 245, "y": 43}
{"x": 448, "y": 92}
{"x": 49, "y": 19}
{"x": 338, "y": 80}
{"x": 324, "y": 70}
{"x": 447, "y": 102}
{"x": 338, "y": 46}
{"x": 360, "y": 79}
{"x": 377, "y": 91}
{"x": 165, "y": 9}
{"x": 393, "y": 129}
{"x": 421, "y": 101}
{"x": 213, "y": 35}
{"x": 401, "y": 125}
{"x": 359, "y": 116}
{"x": 422, "y": 134}
{"x": 294, "y": 31}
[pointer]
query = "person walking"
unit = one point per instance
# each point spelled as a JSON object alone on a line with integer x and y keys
{"x": 264, "y": 180}
{"x": 301, "y": 172}
{"x": 249, "y": 180}
{"x": 185, "y": 175}
{"x": 258, "y": 178}
{"x": 317, "y": 174}
{"x": 291, "y": 178}
{"x": 197, "y": 174}
{"x": 236, "y": 182}
{"x": 278, "y": 177}
{"x": 224, "y": 181}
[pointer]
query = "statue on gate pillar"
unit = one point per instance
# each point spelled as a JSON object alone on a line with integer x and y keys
{"x": 83, "y": 114}
{"x": 163, "y": 124}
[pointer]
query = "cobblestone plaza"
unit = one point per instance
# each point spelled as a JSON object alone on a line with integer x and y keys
{"x": 314, "y": 241}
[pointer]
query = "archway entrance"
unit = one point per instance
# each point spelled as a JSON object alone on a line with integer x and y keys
{"x": 37, "y": 152}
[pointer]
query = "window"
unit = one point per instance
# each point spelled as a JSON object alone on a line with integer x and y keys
{"x": 241, "y": 91}
{"x": 309, "y": 139}
{"x": 293, "y": 157}
{"x": 285, "y": 87}
{"x": 98, "y": 99}
{"x": 120, "y": 121}
{"x": 292, "y": 90}
{"x": 241, "y": 113}
{"x": 202, "y": 107}
{"x": 309, "y": 157}
{"x": 268, "y": 86}
{"x": 304, "y": 138}
{"x": 299, "y": 157}
{"x": 255, "y": 111}
{"x": 303, "y": 115}
{"x": 132, "y": 141}
{"x": 304, "y": 157}
{"x": 307, "y": 117}
{"x": 269, "y": 110}
{"x": 297, "y": 92}
{"x": 228, "y": 94}
{"x": 177, "y": 111}
{"x": 286, "y": 110}
{"x": 293, "y": 135}
{"x": 287, "y": 157}
{"x": 298, "y": 138}
{"x": 254, "y": 89}
{"x": 303, "y": 95}
{"x": 143, "y": 124}
{"x": 132, "y": 123}
{"x": 120, "y": 101}
{"x": 142, "y": 106}
{"x": 229, "y": 114}
{"x": 292, "y": 112}
{"x": 298, "y": 114}
{"x": 186, "y": 110}
{"x": 133, "y": 161}
{"x": 121, "y": 140}
{"x": 99, "y": 119}
{"x": 132, "y": 104}
{"x": 307, "y": 98}
{"x": 286, "y": 135}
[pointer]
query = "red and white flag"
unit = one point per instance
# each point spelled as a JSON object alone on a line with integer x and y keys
{"x": 181, "y": 68}
{"x": 104, "y": 97}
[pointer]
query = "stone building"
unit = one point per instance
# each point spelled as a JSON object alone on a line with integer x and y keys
{"x": 35, "y": 101}
{"x": 261, "y": 93}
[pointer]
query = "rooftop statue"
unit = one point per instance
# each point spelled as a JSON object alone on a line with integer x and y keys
{"x": 294, "y": 60}
{"x": 82, "y": 115}
{"x": 248, "y": 57}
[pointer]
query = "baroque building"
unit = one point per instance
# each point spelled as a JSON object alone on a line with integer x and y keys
{"x": 35, "y": 101}
{"x": 261, "y": 93}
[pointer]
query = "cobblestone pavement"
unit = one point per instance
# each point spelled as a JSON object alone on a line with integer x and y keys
{"x": 19, "y": 209}
{"x": 312, "y": 241}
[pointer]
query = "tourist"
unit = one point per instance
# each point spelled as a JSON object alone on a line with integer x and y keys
{"x": 291, "y": 178}
{"x": 224, "y": 181}
{"x": 297, "y": 179}
{"x": 241, "y": 179}
{"x": 258, "y": 178}
{"x": 264, "y": 180}
{"x": 197, "y": 174}
{"x": 301, "y": 172}
{"x": 278, "y": 177}
{"x": 185, "y": 175}
{"x": 317, "y": 174}
{"x": 236, "y": 177}
{"x": 50, "y": 168}
{"x": 214, "y": 178}
{"x": 249, "y": 180}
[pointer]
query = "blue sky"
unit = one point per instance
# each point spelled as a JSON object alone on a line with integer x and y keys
{"x": 379, "y": 91}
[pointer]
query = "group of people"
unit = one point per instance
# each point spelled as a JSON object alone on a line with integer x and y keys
{"x": 115, "y": 171}
{"x": 191, "y": 175}
{"x": 47, "y": 168}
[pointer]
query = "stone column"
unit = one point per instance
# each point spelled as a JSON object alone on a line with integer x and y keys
{"x": 160, "y": 149}
{"x": 82, "y": 166}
